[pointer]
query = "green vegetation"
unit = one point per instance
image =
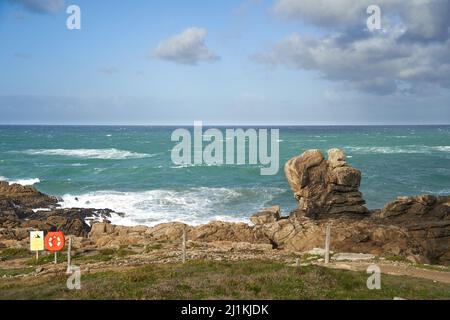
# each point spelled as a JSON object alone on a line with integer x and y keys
{"x": 222, "y": 280}
{"x": 15, "y": 272}
{"x": 433, "y": 267}
{"x": 153, "y": 247}
{"x": 14, "y": 253}
{"x": 421, "y": 266}
{"x": 103, "y": 255}
{"x": 47, "y": 258}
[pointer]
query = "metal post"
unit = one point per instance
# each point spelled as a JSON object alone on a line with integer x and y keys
{"x": 327, "y": 244}
{"x": 56, "y": 257}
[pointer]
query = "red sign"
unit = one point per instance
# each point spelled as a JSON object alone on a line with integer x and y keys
{"x": 54, "y": 241}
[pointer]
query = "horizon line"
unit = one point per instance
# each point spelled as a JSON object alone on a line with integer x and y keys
{"x": 226, "y": 124}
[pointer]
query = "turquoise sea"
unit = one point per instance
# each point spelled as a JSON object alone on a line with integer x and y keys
{"x": 129, "y": 169}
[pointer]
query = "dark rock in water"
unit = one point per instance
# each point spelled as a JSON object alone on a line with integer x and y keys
{"x": 15, "y": 196}
{"x": 323, "y": 186}
{"x": 17, "y": 213}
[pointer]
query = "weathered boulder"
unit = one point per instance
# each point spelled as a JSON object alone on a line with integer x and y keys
{"x": 267, "y": 215}
{"x": 347, "y": 235}
{"x": 109, "y": 235}
{"x": 427, "y": 220}
{"x": 410, "y": 209}
{"x": 323, "y": 186}
{"x": 218, "y": 230}
{"x": 15, "y": 196}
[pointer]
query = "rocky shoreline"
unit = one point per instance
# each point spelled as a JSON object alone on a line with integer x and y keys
{"x": 327, "y": 191}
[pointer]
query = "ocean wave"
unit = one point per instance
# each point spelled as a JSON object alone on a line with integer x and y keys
{"x": 441, "y": 148}
{"x": 193, "y": 205}
{"x": 23, "y": 182}
{"x": 413, "y": 149}
{"x": 109, "y": 154}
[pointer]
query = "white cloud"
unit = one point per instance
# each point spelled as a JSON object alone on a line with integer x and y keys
{"x": 41, "y": 6}
{"x": 411, "y": 52}
{"x": 428, "y": 19}
{"x": 188, "y": 47}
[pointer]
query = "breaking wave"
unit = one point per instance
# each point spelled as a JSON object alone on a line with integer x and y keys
{"x": 23, "y": 182}
{"x": 113, "y": 154}
{"x": 193, "y": 205}
{"x": 396, "y": 150}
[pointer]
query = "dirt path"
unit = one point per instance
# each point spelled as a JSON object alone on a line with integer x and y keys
{"x": 393, "y": 269}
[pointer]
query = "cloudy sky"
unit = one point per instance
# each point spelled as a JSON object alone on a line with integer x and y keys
{"x": 225, "y": 62}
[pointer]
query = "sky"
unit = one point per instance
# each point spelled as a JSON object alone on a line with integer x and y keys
{"x": 286, "y": 62}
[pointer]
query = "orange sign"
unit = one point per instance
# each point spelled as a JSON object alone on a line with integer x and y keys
{"x": 54, "y": 241}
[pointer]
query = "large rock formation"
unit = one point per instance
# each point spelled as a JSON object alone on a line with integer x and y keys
{"x": 426, "y": 219}
{"x": 414, "y": 227}
{"x": 14, "y": 196}
{"x": 107, "y": 235}
{"x": 323, "y": 186}
{"x": 417, "y": 228}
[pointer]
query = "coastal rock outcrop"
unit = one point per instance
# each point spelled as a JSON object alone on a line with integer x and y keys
{"x": 427, "y": 220}
{"x": 266, "y": 216}
{"x": 15, "y": 196}
{"x": 327, "y": 191}
{"x": 24, "y": 208}
{"x": 414, "y": 227}
{"x": 347, "y": 235}
{"x": 324, "y": 187}
{"x": 107, "y": 235}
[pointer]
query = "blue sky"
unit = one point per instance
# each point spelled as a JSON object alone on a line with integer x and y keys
{"x": 221, "y": 62}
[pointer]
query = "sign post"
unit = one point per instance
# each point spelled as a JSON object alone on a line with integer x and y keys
{"x": 54, "y": 242}
{"x": 36, "y": 242}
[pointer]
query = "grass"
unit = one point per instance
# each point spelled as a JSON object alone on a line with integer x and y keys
{"x": 308, "y": 257}
{"x": 433, "y": 267}
{"x": 14, "y": 253}
{"x": 153, "y": 247}
{"x": 417, "y": 265}
{"x": 47, "y": 258}
{"x": 223, "y": 280}
{"x": 104, "y": 255}
{"x": 16, "y": 271}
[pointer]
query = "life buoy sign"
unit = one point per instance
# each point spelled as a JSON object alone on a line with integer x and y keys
{"x": 54, "y": 241}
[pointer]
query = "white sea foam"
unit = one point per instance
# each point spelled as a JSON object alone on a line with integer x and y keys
{"x": 23, "y": 182}
{"x": 441, "y": 148}
{"x": 412, "y": 149}
{"x": 41, "y": 209}
{"x": 113, "y": 154}
{"x": 193, "y": 206}
{"x": 78, "y": 165}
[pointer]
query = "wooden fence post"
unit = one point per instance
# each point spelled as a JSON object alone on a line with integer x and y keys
{"x": 327, "y": 244}
{"x": 69, "y": 256}
{"x": 184, "y": 245}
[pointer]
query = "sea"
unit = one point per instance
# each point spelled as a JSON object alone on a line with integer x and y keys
{"x": 129, "y": 169}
